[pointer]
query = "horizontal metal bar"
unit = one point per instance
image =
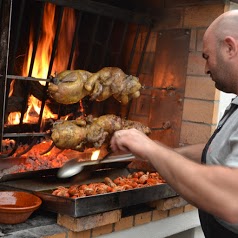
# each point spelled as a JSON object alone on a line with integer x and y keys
{"x": 27, "y": 78}
{"x": 158, "y": 88}
{"x": 48, "y": 149}
{"x": 104, "y": 10}
{"x": 11, "y": 135}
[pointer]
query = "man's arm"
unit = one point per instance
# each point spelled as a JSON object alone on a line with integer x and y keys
{"x": 193, "y": 152}
{"x": 212, "y": 188}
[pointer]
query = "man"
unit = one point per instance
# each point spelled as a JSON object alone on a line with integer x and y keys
{"x": 212, "y": 185}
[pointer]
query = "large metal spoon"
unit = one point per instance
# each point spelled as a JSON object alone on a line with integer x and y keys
{"x": 73, "y": 166}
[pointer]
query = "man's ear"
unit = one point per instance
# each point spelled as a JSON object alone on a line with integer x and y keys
{"x": 231, "y": 46}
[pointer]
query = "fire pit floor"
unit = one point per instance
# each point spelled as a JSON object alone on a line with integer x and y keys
{"x": 39, "y": 224}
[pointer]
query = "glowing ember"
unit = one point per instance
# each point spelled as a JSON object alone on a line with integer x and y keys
{"x": 95, "y": 155}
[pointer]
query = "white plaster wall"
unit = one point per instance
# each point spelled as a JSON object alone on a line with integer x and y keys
{"x": 225, "y": 99}
{"x": 192, "y": 233}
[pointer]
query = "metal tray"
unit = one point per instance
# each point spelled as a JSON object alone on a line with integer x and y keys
{"x": 91, "y": 204}
{"x": 104, "y": 202}
{"x": 43, "y": 185}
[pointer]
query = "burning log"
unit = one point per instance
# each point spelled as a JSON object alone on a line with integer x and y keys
{"x": 88, "y": 132}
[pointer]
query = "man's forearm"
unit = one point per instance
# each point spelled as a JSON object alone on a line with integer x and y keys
{"x": 193, "y": 152}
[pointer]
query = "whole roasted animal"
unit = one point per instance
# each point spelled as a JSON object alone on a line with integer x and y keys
{"x": 71, "y": 86}
{"x": 89, "y": 132}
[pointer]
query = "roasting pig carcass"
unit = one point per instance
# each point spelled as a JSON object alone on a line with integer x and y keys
{"x": 71, "y": 86}
{"x": 89, "y": 132}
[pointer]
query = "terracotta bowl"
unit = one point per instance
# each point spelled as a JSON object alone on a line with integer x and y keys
{"x": 16, "y": 207}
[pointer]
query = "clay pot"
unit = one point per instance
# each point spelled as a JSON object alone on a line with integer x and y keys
{"x": 16, "y": 206}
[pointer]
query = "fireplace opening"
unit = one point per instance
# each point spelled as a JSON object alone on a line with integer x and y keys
{"x": 44, "y": 38}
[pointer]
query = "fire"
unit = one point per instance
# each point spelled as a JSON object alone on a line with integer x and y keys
{"x": 34, "y": 110}
{"x": 45, "y": 45}
{"x": 14, "y": 118}
{"x": 95, "y": 155}
{"x": 43, "y": 56}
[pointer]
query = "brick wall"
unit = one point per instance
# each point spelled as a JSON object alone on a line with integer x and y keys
{"x": 200, "y": 101}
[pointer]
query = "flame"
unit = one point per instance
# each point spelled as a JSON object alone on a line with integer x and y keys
{"x": 43, "y": 55}
{"x": 11, "y": 88}
{"x": 45, "y": 45}
{"x": 44, "y": 48}
{"x": 14, "y": 118}
{"x": 34, "y": 110}
{"x": 95, "y": 155}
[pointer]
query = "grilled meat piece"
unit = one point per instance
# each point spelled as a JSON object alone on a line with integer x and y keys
{"x": 68, "y": 135}
{"x": 88, "y": 132}
{"x": 134, "y": 180}
{"x": 70, "y": 87}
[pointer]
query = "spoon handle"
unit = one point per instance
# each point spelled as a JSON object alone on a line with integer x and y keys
{"x": 106, "y": 156}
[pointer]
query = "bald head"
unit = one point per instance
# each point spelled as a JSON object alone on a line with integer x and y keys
{"x": 225, "y": 25}
{"x": 220, "y": 50}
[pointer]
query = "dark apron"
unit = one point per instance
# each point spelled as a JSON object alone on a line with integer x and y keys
{"x": 211, "y": 228}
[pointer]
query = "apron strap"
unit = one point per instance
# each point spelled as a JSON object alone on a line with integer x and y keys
{"x": 211, "y": 228}
{"x": 223, "y": 120}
